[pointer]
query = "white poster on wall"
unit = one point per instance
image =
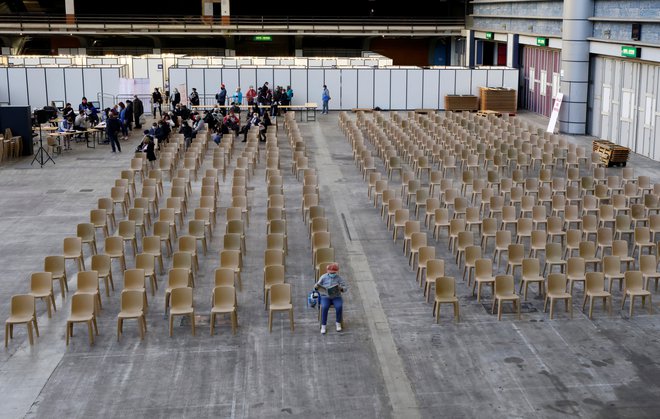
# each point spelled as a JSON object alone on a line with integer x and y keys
{"x": 555, "y": 113}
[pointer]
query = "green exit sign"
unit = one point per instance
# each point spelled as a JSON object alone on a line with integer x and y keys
{"x": 542, "y": 42}
{"x": 490, "y": 35}
{"x": 262, "y": 38}
{"x": 630, "y": 51}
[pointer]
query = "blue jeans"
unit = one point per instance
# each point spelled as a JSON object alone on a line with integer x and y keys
{"x": 325, "y": 107}
{"x": 325, "y": 307}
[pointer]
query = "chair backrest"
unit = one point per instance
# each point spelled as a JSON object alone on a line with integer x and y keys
{"x": 531, "y": 267}
{"x": 181, "y": 298}
{"x": 41, "y": 282}
{"x": 224, "y": 277}
{"x": 179, "y": 277}
{"x": 504, "y": 285}
{"x": 595, "y": 281}
{"x": 22, "y": 305}
{"x": 182, "y": 260}
{"x": 445, "y": 287}
{"x": 114, "y": 244}
{"x": 483, "y": 268}
{"x": 82, "y": 305}
{"x": 224, "y": 296}
{"x": 556, "y": 283}
{"x": 273, "y": 274}
{"x": 86, "y": 231}
{"x": 516, "y": 253}
{"x": 134, "y": 279}
{"x": 648, "y": 264}
{"x": 188, "y": 244}
{"x": 280, "y": 294}
{"x": 230, "y": 258}
{"x": 88, "y": 281}
{"x": 72, "y": 245}
{"x": 132, "y": 300}
{"x": 633, "y": 280}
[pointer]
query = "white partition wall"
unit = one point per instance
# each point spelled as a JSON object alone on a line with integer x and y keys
{"x": 73, "y": 77}
{"x": 4, "y": 92}
{"x": 387, "y": 88}
{"x": 299, "y": 86}
{"x": 398, "y": 89}
{"x": 247, "y": 77}
{"x": 415, "y": 89}
{"x": 36, "y": 87}
{"x": 195, "y": 78}
{"x": 17, "y": 80}
{"x": 463, "y": 82}
{"x": 382, "y": 81}
{"x": 281, "y": 77}
{"x": 349, "y": 88}
{"x": 315, "y": 80}
{"x": 365, "y": 90}
{"x": 177, "y": 77}
{"x": 477, "y": 79}
{"x": 230, "y": 79}
{"x": 447, "y": 85}
{"x": 495, "y": 78}
{"x": 155, "y": 72}
{"x": 55, "y": 84}
{"x": 212, "y": 78}
{"x": 431, "y": 89}
{"x": 333, "y": 81}
{"x": 92, "y": 82}
{"x": 264, "y": 75}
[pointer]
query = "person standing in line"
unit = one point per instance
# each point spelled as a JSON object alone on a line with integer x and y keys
{"x": 237, "y": 97}
{"x": 221, "y": 98}
{"x": 138, "y": 110}
{"x": 167, "y": 91}
{"x": 325, "y": 98}
{"x": 122, "y": 120}
{"x": 157, "y": 102}
{"x": 250, "y": 95}
{"x": 194, "y": 97}
{"x": 112, "y": 128}
{"x": 149, "y": 147}
{"x": 128, "y": 118}
{"x": 175, "y": 98}
{"x": 330, "y": 287}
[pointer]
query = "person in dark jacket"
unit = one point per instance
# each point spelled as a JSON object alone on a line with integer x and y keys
{"x": 157, "y": 102}
{"x": 187, "y": 133}
{"x": 194, "y": 97}
{"x": 112, "y": 128}
{"x": 209, "y": 120}
{"x": 221, "y": 98}
{"x": 138, "y": 110}
{"x": 175, "y": 98}
{"x": 148, "y": 147}
{"x": 265, "y": 123}
{"x": 128, "y": 117}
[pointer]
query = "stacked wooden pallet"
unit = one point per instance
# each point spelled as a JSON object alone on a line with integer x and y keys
{"x": 611, "y": 154}
{"x": 461, "y": 103}
{"x": 498, "y": 99}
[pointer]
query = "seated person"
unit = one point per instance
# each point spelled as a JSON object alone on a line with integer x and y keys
{"x": 255, "y": 121}
{"x": 66, "y": 125}
{"x": 230, "y": 122}
{"x": 330, "y": 287}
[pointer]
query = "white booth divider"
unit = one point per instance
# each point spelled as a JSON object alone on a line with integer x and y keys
{"x": 387, "y": 88}
{"x": 38, "y": 86}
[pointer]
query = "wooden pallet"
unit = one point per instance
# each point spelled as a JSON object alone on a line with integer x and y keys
{"x": 611, "y": 154}
{"x": 498, "y": 99}
{"x": 461, "y": 103}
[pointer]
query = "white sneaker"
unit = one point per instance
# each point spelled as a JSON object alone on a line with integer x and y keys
{"x": 338, "y": 326}
{"x": 323, "y": 329}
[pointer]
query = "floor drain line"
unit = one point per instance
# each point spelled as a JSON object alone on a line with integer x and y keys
{"x": 348, "y": 232}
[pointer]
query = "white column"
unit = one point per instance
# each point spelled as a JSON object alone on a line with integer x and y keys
{"x": 575, "y": 65}
{"x": 70, "y": 11}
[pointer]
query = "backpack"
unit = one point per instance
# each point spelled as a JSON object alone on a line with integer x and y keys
{"x": 312, "y": 299}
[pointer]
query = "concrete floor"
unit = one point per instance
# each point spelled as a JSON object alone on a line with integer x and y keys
{"x": 391, "y": 360}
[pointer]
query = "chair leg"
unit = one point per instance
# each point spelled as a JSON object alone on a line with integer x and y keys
{"x": 192, "y": 322}
{"x": 212, "y": 323}
{"x": 270, "y": 321}
{"x": 91, "y": 333}
{"x": 120, "y": 324}
{"x": 29, "y": 330}
{"x": 171, "y": 323}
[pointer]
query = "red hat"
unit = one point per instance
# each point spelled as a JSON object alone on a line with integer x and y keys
{"x": 222, "y": 85}
{"x": 333, "y": 267}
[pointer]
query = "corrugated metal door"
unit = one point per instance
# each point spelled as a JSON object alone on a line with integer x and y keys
{"x": 540, "y": 78}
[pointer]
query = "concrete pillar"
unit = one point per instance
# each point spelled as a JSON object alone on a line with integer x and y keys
{"x": 70, "y": 11}
{"x": 469, "y": 49}
{"x": 575, "y": 65}
{"x": 225, "y": 12}
{"x": 512, "y": 50}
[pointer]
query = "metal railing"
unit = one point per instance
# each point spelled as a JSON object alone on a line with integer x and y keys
{"x": 31, "y": 23}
